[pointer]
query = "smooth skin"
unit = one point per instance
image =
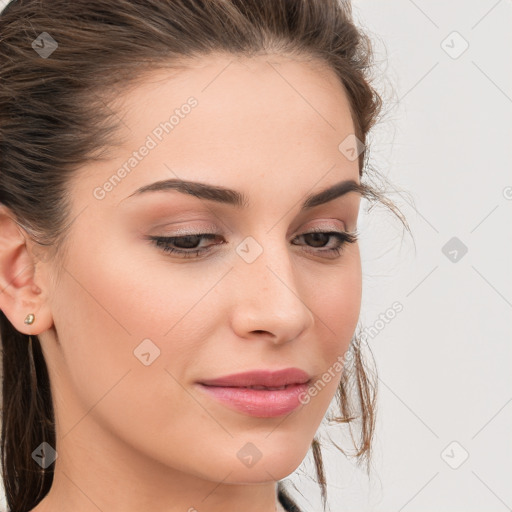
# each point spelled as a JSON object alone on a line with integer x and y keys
{"x": 133, "y": 437}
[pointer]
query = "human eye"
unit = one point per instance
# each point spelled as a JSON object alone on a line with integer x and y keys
{"x": 186, "y": 246}
{"x": 318, "y": 236}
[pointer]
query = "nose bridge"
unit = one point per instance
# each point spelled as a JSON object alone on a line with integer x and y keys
{"x": 269, "y": 296}
{"x": 270, "y": 265}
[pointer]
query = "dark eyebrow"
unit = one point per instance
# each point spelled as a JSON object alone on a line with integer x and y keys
{"x": 240, "y": 200}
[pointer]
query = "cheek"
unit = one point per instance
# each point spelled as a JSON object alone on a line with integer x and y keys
{"x": 132, "y": 289}
{"x": 339, "y": 309}
{"x": 107, "y": 304}
{"x": 336, "y": 303}
{"x": 337, "y": 300}
{"x": 108, "y": 301}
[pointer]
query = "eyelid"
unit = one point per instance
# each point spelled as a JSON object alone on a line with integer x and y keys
{"x": 212, "y": 230}
{"x": 322, "y": 228}
{"x": 194, "y": 230}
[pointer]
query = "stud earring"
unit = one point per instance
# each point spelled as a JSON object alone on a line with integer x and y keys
{"x": 29, "y": 319}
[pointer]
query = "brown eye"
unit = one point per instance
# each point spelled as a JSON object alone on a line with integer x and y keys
{"x": 186, "y": 245}
{"x": 320, "y": 238}
{"x": 317, "y": 239}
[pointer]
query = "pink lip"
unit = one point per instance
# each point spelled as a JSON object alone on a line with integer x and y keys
{"x": 261, "y": 378}
{"x": 233, "y": 391}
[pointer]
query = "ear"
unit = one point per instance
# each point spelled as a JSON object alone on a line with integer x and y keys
{"x": 21, "y": 290}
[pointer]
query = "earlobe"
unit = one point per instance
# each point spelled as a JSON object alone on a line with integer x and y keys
{"x": 20, "y": 295}
{"x": 29, "y": 319}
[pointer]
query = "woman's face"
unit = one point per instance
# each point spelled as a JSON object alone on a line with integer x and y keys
{"x": 137, "y": 328}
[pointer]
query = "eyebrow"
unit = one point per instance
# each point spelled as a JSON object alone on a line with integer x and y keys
{"x": 239, "y": 200}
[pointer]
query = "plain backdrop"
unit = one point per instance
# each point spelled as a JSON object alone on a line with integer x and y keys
{"x": 444, "y": 420}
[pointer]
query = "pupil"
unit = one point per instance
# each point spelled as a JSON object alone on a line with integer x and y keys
{"x": 188, "y": 242}
{"x": 317, "y": 237}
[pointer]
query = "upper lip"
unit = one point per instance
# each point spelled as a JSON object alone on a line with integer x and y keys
{"x": 265, "y": 378}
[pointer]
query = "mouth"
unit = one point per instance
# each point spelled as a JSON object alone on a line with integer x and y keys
{"x": 266, "y": 387}
{"x": 260, "y": 393}
{"x": 262, "y": 379}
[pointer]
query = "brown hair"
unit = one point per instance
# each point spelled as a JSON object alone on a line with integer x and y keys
{"x": 55, "y": 116}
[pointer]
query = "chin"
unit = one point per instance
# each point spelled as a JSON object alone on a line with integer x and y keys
{"x": 271, "y": 462}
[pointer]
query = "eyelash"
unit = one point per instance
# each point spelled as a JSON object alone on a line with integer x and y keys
{"x": 163, "y": 242}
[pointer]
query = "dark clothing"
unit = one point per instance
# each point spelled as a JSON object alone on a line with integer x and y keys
{"x": 287, "y": 502}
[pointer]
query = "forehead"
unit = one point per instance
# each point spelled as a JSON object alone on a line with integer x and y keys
{"x": 255, "y": 120}
{"x": 235, "y": 93}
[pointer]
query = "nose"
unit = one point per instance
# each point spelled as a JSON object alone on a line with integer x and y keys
{"x": 268, "y": 298}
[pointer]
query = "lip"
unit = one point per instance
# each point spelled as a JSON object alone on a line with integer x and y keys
{"x": 267, "y": 378}
{"x": 234, "y": 391}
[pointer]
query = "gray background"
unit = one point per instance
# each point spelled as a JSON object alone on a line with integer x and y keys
{"x": 444, "y": 362}
{"x": 444, "y": 413}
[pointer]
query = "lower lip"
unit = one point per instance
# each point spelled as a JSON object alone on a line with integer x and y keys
{"x": 258, "y": 402}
